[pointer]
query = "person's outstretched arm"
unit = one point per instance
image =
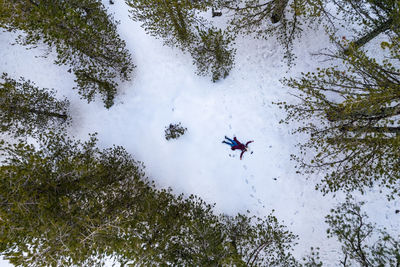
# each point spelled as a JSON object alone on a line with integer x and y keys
{"x": 249, "y": 143}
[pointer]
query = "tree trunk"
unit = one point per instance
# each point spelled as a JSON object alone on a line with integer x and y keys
{"x": 63, "y": 116}
{"x": 278, "y": 10}
{"x": 371, "y": 35}
{"x": 371, "y": 142}
{"x": 336, "y": 114}
{"x": 372, "y": 129}
{"x": 49, "y": 114}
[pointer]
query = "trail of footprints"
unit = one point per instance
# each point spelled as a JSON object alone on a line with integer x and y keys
{"x": 253, "y": 189}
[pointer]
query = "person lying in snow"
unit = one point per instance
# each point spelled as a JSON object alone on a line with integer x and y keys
{"x": 235, "y": 144}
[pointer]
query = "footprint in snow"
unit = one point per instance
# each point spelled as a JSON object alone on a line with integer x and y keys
{"x": 253, "y": 188}
{"x": 245, "y": 167}
{"x": 251, "y": 195}
{"x": 247, "y": 182}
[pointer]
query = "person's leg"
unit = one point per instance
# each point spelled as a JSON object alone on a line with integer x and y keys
{"x": 230, "y": 140}
{"x": 231, "y": 144}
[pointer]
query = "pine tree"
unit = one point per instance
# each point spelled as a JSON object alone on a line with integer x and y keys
{"x": 259, "y": 242}
{"x": 351, "y": 114}
{"x": 26, "y": 109}
{"x": 362, "y": 242}
{"x": 83, "y": 35}
{"x": 172, "y": 21}
{"x": 179, "y": 24}
{"x": 64, "y": 202}
{"x": 212, "y": 53}
{"x": 181, "y": 231}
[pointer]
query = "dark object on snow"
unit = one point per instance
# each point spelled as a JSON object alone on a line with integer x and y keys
{"x": 174, "y": 131}
{"x": 111, "y": 2}
{"x": 397, "y": 211}
{"x": 235, "y": 144}
{"x": 216, "y": 13}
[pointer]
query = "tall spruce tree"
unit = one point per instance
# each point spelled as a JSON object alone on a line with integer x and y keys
{"x": 83, "y": 35}
{"x": 212, "y": 53}
{"x": 64, "y": 202}
{"x": 26, "y": 109}
{"x": 259, "y": 242}
{"x": 178, "y": 231}
{"x": 362, "y": 242}
{"x": 172, "y": 21}
{"x": 179, "y": 24}
{"x": 205, "y": 239}
{"x": 351, "y": 114}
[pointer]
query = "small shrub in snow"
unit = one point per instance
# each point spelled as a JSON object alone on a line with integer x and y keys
{"x": 174, "y": 131}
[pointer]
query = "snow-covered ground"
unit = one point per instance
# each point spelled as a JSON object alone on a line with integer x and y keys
{"x": 165, "y": 89}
